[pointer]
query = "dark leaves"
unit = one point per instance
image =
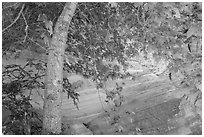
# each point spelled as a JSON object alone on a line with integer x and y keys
{"x": 70, "y": 89}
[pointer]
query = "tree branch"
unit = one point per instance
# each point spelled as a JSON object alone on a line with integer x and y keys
{"x": 37, "y": 43}
{"x": 26, "y": 28}
{"x": 19, "y": 14}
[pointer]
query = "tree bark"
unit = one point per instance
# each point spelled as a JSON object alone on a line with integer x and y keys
{"x": 54, "y": 78}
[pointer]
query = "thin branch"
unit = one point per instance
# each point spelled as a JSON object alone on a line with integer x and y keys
{"x": 30, "y": 93}
{"x": 19, "y": 14}
{"x": 11, "y": 4}
{"x": 37, "y": 43}
{"x": 26, "y": 28}
{"x": 41, "y": 96}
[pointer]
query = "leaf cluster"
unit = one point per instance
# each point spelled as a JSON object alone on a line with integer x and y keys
{"x": 70, "y": 89}
{"x": 17, "y": 80}
{"x": 25, "y": 31}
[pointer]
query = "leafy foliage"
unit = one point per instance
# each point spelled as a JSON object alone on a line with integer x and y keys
{"x": 102, "y": 38}
{"x": 27, "y": 31}
{"x": 70, "y": 90}
{"x": 23, "y": 118}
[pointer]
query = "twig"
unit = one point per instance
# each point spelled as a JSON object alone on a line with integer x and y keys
{"x": 30, "y": 93}
{"x": 15, "y": 19}
{"x": 37, "y": 43}
{"x": 100, "y": 100}
{"x": 9, "y": 5}
{"x": 102, "y": 105}
{"x": 40, "y": 95}
{"x": 26, "y": 28}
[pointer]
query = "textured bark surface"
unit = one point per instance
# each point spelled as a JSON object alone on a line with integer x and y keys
{"x": 54, "y": 78}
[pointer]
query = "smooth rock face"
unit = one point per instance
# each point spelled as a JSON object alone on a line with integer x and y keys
{"x": 148, "y": 121}
{"x": 165, "y": 118}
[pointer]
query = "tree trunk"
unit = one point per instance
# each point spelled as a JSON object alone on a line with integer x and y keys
{"x": 53, "y": 94}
